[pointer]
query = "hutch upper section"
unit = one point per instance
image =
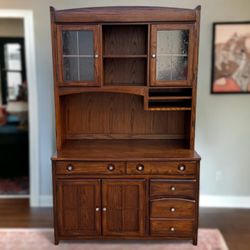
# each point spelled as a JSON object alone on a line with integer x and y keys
{"x": 148, "y": 52}
{"x": 94, "y": 46}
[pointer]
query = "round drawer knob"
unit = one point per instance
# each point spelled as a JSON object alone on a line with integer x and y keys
{"x": 104, "y": 209}
{"x": 96, "y": 56}
{"x": 69, "y": 167}
{"x": 97, "y": 209}
{"x": 182, "y": 167}
{"x": 172, "y": 188}
{"x": 111, "y": 167}
{"x": 172, "y": 209}
{"x": 140, "y": 167}
{"x": 172, "y": 229}
{"x": 153, "y": 55}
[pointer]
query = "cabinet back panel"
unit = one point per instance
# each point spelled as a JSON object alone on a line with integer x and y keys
{"x": 125, "y": 39}
{"x": 122, "y": 71}
{"x": 109, "y": 115}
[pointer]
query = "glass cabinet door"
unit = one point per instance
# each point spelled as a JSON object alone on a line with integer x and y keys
{"x": 79, "y": 55}
{"x": 171, "y": 55}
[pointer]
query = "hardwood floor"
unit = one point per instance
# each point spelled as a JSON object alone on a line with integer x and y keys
{"x": 233, "y": 223}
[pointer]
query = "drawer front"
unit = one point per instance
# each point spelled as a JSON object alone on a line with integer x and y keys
{"x": 71, "y": 168}
{"x": 178, "y": 189}
{"x": 171, "y": 228}
{"x": 162, "y": 168}
{"x": 172, "y": 208}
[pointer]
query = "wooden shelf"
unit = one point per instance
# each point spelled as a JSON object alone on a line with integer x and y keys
{"x": 170, "y": 98}
{"x": 136, "y": 90}
{"x": 124, "y": 56}
{"x": 125, "y": 149}
{"x": 168, "y": 109}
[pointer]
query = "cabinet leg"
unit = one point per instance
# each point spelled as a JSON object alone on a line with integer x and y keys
{"x": 195, "y": 241}
{"x": 56, "y": 241}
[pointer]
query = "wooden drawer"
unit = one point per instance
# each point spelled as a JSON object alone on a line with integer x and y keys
{"x": 168, "y": 188}
{"x": 172, "y": 208}
{"x": 162, "y": 168}
{"x": 172, "y": 228}
{"x": 66, "y": 167}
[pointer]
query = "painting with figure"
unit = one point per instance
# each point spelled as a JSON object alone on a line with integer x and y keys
{"x": 231, "y": 58}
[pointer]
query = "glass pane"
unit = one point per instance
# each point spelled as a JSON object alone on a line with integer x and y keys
{"x": 14, "y": 80}
{"x": 179, "y": 67}
{"x": 70, "y": 72}
{"x": 164, "y": 68}
{"x": 86, "y": 42}
{"x": 69, "y": 42}
{"x": 86, "y": 69}
{"x": 172, "y": 53}
{"x": 12, "y": 53}
{"x": 78, "y": 55}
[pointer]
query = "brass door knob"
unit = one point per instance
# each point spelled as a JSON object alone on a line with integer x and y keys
{"x": 182, "y": 167}
{"x": 111, "y": 167}
{"x": 69, "y": 167}
{"x": 140, "y": 167}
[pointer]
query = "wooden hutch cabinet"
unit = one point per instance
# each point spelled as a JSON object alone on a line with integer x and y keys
{"x": 125, "y": 100}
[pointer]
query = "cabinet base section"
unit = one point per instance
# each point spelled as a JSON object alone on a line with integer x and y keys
{"x": 169, "y": 239}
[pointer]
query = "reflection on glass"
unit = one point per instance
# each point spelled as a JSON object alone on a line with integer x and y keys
{"x": 69, "y": 42}
{"x": 70, "y": 68}
{"x": 86, "y": 68}
{"x": 172, "y": 53}
{"x": 78, "y": 55}
{"x": 86, "y": 42}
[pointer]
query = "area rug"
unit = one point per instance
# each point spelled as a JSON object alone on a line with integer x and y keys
{"x": 42, "y": 239}
{"x": 15, "y": 185}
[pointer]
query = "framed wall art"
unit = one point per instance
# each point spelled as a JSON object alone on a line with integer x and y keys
{"x": 231, "y": 58}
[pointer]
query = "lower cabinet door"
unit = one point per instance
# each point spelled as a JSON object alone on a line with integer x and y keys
{"x": 79, "y": 207}
{"x": 123, "y": 207}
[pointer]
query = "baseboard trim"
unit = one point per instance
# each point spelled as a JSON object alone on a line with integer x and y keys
{"x": 205, "y": 201}
{"x": 14, "y": 196}
{"x": 225, "y": 201}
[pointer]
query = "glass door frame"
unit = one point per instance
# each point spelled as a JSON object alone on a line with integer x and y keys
{"x": 97, "y": 55}
{"x": 153, "y": 54}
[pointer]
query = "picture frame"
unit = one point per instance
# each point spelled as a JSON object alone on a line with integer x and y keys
{"x": 231, "y": 58}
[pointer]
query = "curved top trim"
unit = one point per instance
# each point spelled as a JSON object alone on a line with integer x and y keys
{"x": 125, "y": 14}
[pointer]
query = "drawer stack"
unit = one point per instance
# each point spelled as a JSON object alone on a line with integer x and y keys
{"x": 173, "y": 207}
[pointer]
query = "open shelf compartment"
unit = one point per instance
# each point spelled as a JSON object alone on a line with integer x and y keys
{"x": 125, "y": 52}
{"x": 170, "y": 99}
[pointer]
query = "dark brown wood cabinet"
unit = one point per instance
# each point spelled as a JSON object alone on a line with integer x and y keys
{"x": 125, "y": 101}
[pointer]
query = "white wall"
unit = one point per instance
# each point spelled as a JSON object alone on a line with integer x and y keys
{"x": 11, "y": 27}
{"x": 223, "y": 122}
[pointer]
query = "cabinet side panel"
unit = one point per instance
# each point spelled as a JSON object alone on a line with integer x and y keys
{"x": 195, "y": 75}
{"x": 59, "y": 134}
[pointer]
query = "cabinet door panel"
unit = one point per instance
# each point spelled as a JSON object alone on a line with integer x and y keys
{"x": 77, "y": 202}
{"x": 124, "y": 202}
{"x": 79, "y": 55}
{"x": 171, "y": 54}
